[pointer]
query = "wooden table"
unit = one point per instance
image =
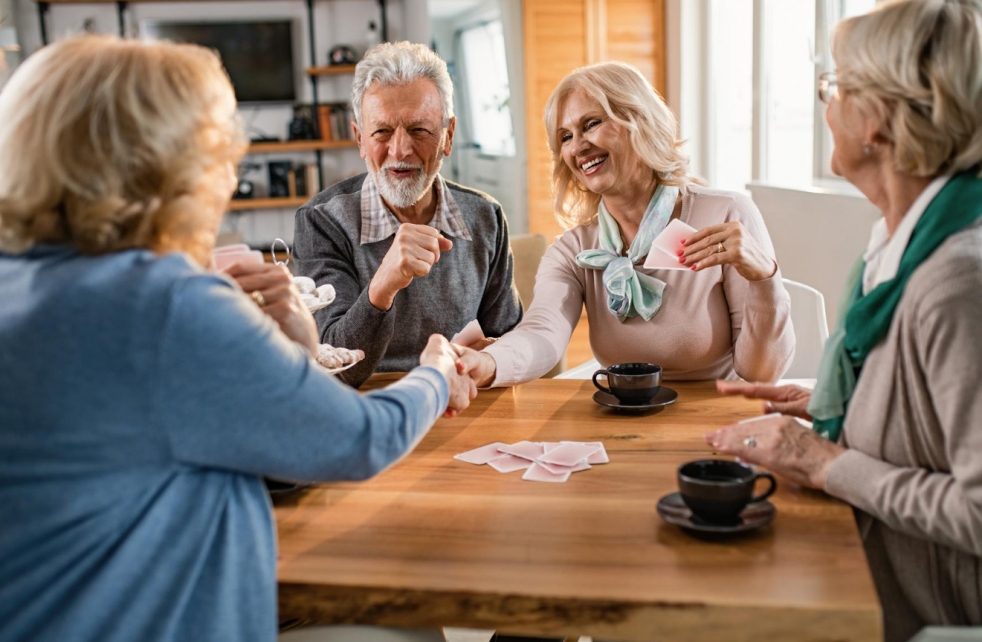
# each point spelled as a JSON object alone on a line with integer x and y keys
{"x": 436, "y": 542}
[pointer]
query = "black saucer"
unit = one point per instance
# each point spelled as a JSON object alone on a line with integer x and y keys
{"x": 664, "y": 397}
{"x": 674, "y": 511}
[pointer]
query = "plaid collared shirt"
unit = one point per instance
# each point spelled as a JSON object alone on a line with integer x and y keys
{"x": 378, "y": 223}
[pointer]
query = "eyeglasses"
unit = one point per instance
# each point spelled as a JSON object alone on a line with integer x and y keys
{"x": 828, "y": 87}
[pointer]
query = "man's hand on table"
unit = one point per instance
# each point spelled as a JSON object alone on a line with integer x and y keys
{"x": 781, "y": 444}
{"x": 279, "y": 298}
{"x": 445, "y": 357}
{"x": 414, "y": 250}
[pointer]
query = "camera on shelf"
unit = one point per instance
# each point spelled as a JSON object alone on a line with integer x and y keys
{"x": 302, "y": 126}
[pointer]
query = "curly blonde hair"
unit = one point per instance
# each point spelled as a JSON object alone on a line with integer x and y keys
{"x": 629, "y": 99}
{"x": 112, "y": 144}
{"x": 914, "y": 64}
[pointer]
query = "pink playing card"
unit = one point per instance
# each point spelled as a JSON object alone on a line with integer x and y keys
{"x": 658, "y": 259}
{"x": 559, "y": 470}
{"x": 537, "y": 473}
{"x": 670, "y": 239}
{"x": 508, "y": 463}
{"x": 226, "y": 259}
{"x": 569, "y": 454}
{"x": 760, "y": 418}
{"x": 525, "y": 449}
{"x": 550, "y": 445}
{"x": 481, "y": 455}
{"x": 235, "y": 247}
{"x": 471, "y": 334}
{"x": 599, "y": 457}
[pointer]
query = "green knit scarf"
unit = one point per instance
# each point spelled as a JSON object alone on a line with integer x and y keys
{"x": 867, "y": 318}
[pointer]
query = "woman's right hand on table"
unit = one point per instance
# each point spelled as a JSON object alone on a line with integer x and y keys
{"x": 787, "y": 400}
{"x": 271, "y": 288}
{"x": 445, "y": 357}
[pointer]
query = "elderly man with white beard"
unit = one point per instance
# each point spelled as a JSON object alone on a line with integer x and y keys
{"x": 408, "y": 253}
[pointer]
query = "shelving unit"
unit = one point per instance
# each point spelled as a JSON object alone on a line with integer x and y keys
{"x": 238, "y": 205}
{"x": 283, "y": 147}
{"x": 313, "y": 72}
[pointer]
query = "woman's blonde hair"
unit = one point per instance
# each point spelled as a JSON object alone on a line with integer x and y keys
{"x": 917, "y": 66}
{"x": 111, "y": 144}
{"x": 628, "y": 99}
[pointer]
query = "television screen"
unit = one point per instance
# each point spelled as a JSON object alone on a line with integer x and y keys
{"x": 257, "y": 55}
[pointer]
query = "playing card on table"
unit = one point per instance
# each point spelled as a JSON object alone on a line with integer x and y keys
{"x": 550, "y": 445}
{"x": 509, "y": 463}
{"x": 670, "y": 239}
{"x": 224, "y": 260}
{"x": 235, "y": 247}
{"x": 471, "y": 334}
{"x": 559, "y": 470}
{"x": 525, "y": 449}
{"x": 537, "y": 473}
{"x": 599, "y": 457}
{"x": 481, "y": 455}
{"x": 569, "y": 454}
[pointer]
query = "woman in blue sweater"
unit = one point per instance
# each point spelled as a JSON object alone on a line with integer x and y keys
{"x": 142, "y": 398}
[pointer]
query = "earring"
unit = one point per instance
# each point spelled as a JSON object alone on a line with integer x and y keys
{"x": 869, "y": 148}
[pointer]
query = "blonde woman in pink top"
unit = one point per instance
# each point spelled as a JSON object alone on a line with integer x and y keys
{"x": 620, "y": 177}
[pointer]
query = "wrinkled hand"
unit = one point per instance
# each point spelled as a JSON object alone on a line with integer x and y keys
{"x": 481, "y": 366}
{"x": 740, "y": 249}
{"x": 782, "y": 445}
{"x": 787, "y": 400}
{"x": 414, "y": 250}
{"x": 281, "y": 298}
{"x": 444, "y": 356}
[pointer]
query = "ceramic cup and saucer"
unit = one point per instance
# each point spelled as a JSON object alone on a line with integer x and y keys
{"x": 716, "y": 496}
{"x": 633, "y": 387}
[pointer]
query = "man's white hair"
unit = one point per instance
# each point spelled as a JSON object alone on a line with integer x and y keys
{"x": 400, "y": 63}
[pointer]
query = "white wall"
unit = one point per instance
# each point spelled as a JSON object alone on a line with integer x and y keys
{"x": 505, "y": 178}
{"x": 818, "y": 234}
{"x": 336, "y": 22}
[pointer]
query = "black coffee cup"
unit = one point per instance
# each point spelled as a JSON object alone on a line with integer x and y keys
{"x": 633, "y": 384}
{"x": 716, "y": 490}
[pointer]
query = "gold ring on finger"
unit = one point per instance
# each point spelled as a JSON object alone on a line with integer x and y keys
{"x": 720, "y": 248}
{"x": 258, "y": 297}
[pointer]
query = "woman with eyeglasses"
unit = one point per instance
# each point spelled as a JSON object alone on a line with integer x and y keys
{"x": 620, "y": 179}
{"x": 897, "y": 411}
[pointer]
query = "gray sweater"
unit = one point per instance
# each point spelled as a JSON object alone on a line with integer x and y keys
{"x": 914, "y": 430}
{"x": 471, "y": 281}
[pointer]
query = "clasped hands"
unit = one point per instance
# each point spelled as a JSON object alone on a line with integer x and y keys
{"x": 781, "y": 444}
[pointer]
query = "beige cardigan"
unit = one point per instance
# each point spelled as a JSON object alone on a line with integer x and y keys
{"x": 713, "y": 324}
{"x": 914, "y": 431}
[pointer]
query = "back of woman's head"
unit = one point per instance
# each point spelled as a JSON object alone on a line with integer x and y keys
{"x": 628, "y": 99}
{"x": 917, "y": 66}
{"x": 111, "y": 144}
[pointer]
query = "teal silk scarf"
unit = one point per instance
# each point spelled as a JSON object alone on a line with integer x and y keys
{"x": 630, "y": 293}
{"x": 867, "y": 319}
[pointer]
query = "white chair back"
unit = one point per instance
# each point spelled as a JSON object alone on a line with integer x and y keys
{"x": 811, "y": 329}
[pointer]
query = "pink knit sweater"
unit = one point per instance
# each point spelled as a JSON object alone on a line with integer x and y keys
{"x": 713, "y": 324}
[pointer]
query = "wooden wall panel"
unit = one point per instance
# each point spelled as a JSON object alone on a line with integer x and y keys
{"x": 561, "y": 35}
{"x": 635, "y": 34}
{"x": 555, "y": 44}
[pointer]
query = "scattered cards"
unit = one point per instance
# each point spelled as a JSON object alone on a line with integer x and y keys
{"x": 542, "y": 461}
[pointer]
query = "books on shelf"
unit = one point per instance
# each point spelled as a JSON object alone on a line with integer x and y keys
{"x": 334, "y": 121}
{"x": 304, "y": 180}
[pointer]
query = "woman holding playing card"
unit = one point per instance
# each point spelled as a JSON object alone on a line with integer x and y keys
{"x": 706, "y": 303}
{"x": 142, "y": 397}
{"x": 896, "y": 412}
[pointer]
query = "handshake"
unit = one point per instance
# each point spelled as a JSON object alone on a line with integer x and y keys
{"x": 464, "y": 368}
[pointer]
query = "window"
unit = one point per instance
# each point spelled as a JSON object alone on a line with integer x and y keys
{"x": 487, "y": 94}
{"x": 764, "y": 122}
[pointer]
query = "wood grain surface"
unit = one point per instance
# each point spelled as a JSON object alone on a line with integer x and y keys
{"x": 437, "y": 542}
